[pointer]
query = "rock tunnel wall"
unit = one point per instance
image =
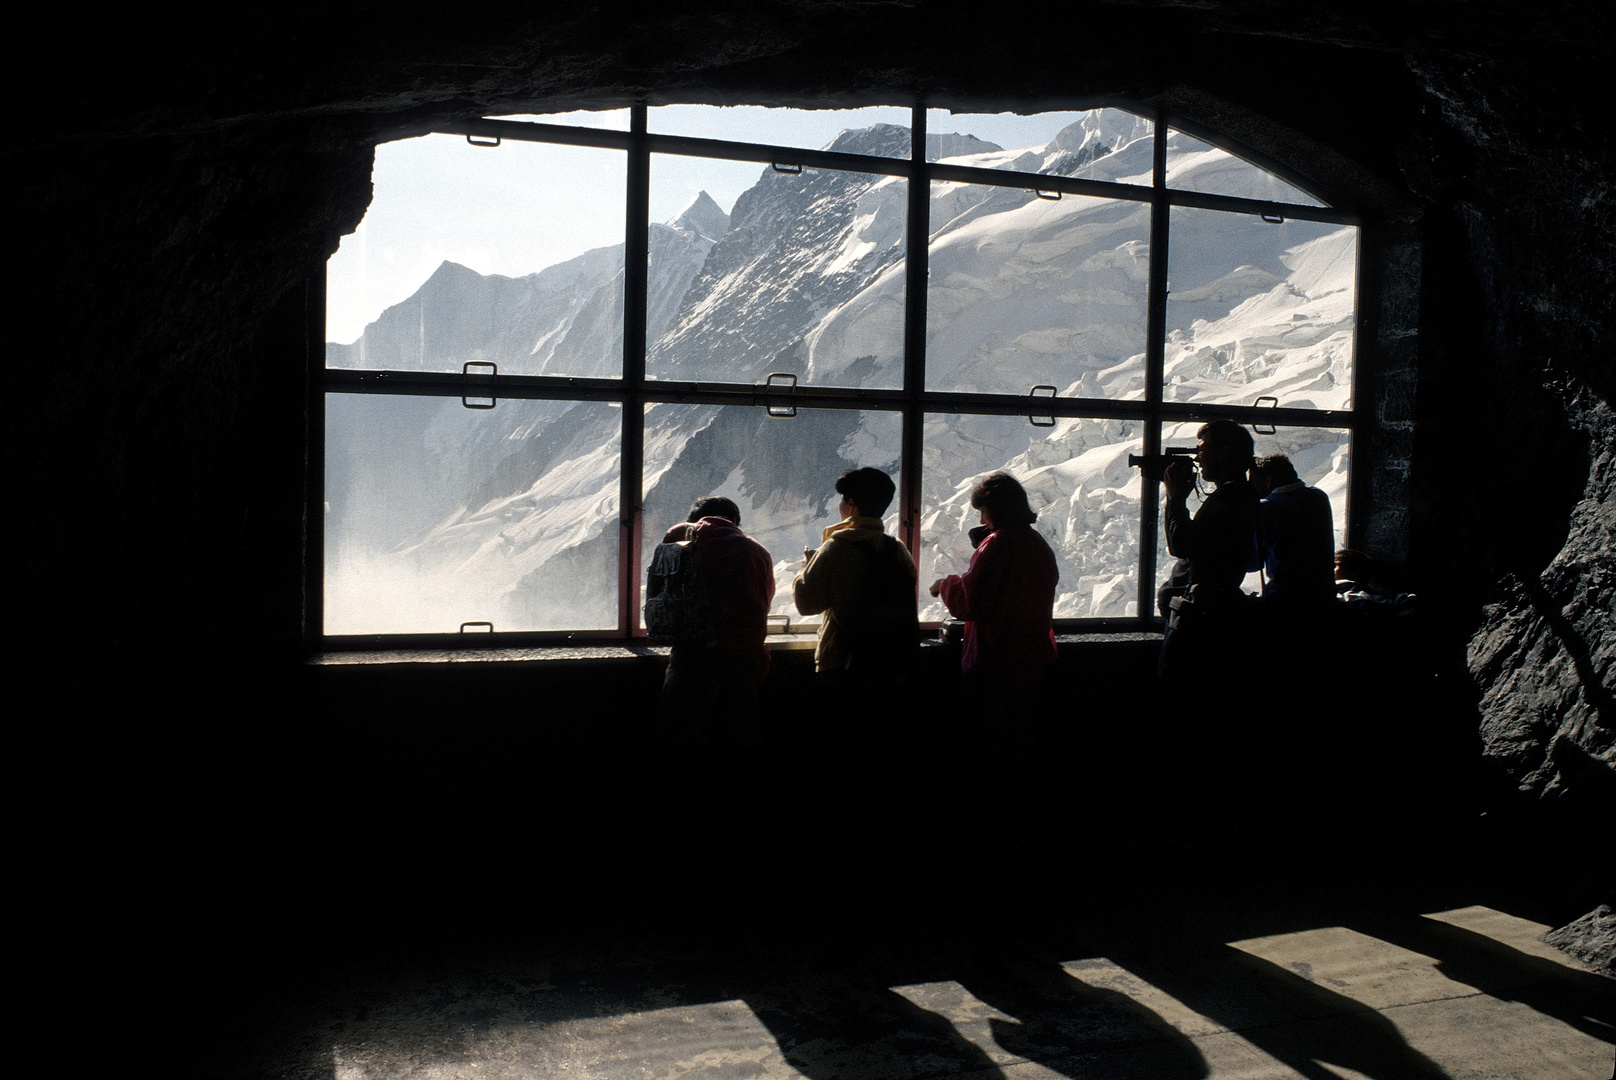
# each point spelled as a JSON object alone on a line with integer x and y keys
{"x": 175, "y": 193}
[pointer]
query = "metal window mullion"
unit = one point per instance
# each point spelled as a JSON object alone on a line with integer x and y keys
{"x": 1365, "y": 327}
{"x": 454, "y": 384}
{"x": 763, "y": 153}
{"x": 1155, "y": 366}
{"x": 523, "y": 131}
{"x": 634, "y": 140}
{"x": 1235, "y": 204}
{"x": 1170, "y": 412}
{"x": 766, "y": 154}
{"x": 914, "y": 328}
{"x": 636, "y": 259}
{"x": 314, "y": 461}
{"x": 1071, "y": 185}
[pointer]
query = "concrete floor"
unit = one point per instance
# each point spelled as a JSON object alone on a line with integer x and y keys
{"x": 1468, "y": 992}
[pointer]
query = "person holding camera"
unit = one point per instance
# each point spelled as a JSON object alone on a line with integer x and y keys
{"x": 1007, "y": 596}
{"x": 1214, "y": 547}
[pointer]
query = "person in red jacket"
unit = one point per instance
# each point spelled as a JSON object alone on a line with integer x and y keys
{"x": 1007, "y": 597}
{"x": 711, "y": 689}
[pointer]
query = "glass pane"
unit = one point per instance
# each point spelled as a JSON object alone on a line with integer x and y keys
{"x": 1322, "y": 457}
{"x": 880, "y": 131}
{"x": 511, "y": 254}
{"x": 1258, "y": 309}
{"x": 1026, "y": 291}
{"x": 781, "y": 472}
{"x": 1100, "y": 144}
{"x": 611, "y": 119}
{"x": 1078, "y": 482}
{"x": 437, "y": 515}
{"x": 1193, "y": 165}
{"x": 805, "y": 276}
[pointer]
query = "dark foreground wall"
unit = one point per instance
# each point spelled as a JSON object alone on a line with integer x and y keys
{"x": 175, "y": 184}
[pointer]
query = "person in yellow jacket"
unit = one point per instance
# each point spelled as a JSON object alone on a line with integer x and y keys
{"x": 863, "y": 582}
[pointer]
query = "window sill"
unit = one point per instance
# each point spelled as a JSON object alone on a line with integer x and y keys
{"x": 641, "y": 650}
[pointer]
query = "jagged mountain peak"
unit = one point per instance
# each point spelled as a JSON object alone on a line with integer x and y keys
{"x": 1103, "y": 128}
{"x": 892, "y": 140}
{"x": 947, "y": 144}
{"x": 877, "y": 140}
{"x": 449, "y": 270}
{"x": 702, "y": 216}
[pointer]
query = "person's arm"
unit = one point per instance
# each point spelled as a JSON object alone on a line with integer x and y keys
{"x": 1177, "y": 483}
{"x": 810, "y": 590}
{"x": 976, "y": 594}
{"x": 1259, "y": 541}
{"x": 1180, "y": 528}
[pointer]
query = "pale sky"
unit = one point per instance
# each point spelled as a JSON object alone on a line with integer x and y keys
{"x": 520, "y": 207}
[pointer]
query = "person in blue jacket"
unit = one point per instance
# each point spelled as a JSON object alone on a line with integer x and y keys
{"x": 1295, "y": 538}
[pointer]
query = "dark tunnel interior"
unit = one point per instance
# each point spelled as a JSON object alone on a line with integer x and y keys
{"x": 210, "y": 815}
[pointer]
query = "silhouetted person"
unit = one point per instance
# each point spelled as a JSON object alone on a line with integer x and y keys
{"x": 863, "y": 582}
{"x": 711, "y": 689}
{"x": 1007, "y": 596}
{"x": 1295, "y": 538}
{"x": 1213, "y": 549}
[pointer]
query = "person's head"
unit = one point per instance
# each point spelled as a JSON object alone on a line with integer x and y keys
{"x": 715, "y": 506}
{"x": 1003, "y": 501}
{"x": 1272, "y": 471}
{"x": 865, "y": 492}
{"x": 1223, "y": 450}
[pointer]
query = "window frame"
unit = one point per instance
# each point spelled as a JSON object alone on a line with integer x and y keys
{"x": 633, "y": 391}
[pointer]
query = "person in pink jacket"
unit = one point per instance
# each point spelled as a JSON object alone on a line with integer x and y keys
{"x": 1007, "y": 597}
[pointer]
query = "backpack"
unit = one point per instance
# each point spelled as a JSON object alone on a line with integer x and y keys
{"x": 883, "y": 628}
{"x": 676, "y": 608}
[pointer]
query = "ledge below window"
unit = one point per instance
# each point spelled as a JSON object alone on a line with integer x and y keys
{"x": 778, "y": 643}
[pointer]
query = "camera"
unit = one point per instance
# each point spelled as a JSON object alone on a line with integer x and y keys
{"x": 1152, "y": 466}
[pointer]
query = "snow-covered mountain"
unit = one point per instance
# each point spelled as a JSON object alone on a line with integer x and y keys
{"x": 564, "y": 320}
{"x": 439, "y": 514}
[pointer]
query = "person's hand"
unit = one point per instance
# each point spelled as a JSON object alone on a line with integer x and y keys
{"x": 937, "y": 587}
{"x": 1179, "y": 479}
{"x": 807, "y": 555}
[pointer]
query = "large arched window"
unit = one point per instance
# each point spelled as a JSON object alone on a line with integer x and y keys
{"x": 551, "y": 334}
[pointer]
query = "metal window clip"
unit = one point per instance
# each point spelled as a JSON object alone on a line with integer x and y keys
{"x": 783, "y": 412}
{"x": 1035, "y": 419}
{"x": 1273, "y": 403}
{"x": 1273, "y": 219}
{"x": 479, "y": 622}
{"x": 1051, "y": 195}
{"x": 466, "y": 375}
{"x": 785, "y": 619}
{"x": 791, "y": 170}
{"x": 483, "y": 140}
